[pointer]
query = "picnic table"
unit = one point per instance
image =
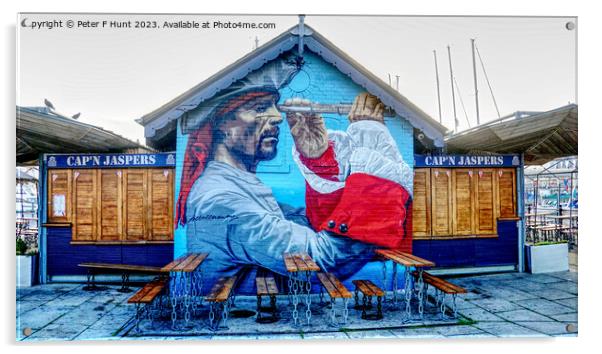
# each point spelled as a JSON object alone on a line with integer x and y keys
{"x": 186, "y": 283}
{"x": 407, "y": 261}
{"x": 300, "y": 267}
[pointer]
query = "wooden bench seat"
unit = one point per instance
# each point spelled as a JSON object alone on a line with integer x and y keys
{"x": 368, "y": 290}
{"x": 442, "y": 287}
{"x": 108, "y": 268}
{"x": 221, "y": 295}
{"x": 441, "y": 284}
{"x": 266, "y": 286}
{"x": 336, "y": 290}
{"x": 149, "y": 292}
{"x": 146, "y": 297}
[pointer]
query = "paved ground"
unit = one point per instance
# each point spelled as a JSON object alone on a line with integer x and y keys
{"x": 500, "y": 305}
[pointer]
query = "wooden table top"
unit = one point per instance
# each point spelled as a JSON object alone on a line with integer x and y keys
{"x": 299, "y": 262}
{"x": 405, "y": 259}
{"x": 187, "y": 263}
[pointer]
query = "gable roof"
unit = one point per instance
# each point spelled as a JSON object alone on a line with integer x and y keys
{"x": 161, "y": 122}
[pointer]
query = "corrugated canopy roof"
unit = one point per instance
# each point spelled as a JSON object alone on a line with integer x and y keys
{"x": 541, "y": 136}
{"x": 40, "y": 131}
{"x": 160, "y": 124}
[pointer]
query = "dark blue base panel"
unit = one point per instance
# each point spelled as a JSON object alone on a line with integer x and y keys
{"x": 63, "y": 257}
{"x": 473, "y": 252}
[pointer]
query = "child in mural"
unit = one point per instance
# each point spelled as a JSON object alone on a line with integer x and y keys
{"x": 357, "y": 191}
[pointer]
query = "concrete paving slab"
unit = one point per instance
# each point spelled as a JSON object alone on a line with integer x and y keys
{"x": 25, "y": 306}
{"x": 327, "y": 335}
{"x": 567, "y": 317}
{"x": 97, "y": 334}
{"x": 373, "y": 334}
{"x": 570, "y": 276}
{"x": 509, "y": 293}
{"x": 57, "y": 332}
{"x": 545, "y": 307}
{"x": 475, "y": 336}
{"x": 189, "y": 338}
{"x": 458, "y": 330}
{"x": 544, "y": 279}
{"x": 39, "y": 318}
{"x": 285, "y": 336}
{"x": 523, "y": 315}
{"x": 555, "y": 294}
{"x": 567, "y": 286}
{"x": 496, "y": 305}
{"x": 507, "y": 329}
{"x": 478, "y": 314}
{"x": 551, "y": 328}
{"x": 572, "y": 302}
{"x": 420, "y": 332}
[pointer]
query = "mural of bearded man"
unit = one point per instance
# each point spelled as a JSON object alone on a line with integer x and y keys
{"x": 232, "y": 215}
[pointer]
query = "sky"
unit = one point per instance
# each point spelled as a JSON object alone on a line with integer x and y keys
{"x": 115, "y": 75}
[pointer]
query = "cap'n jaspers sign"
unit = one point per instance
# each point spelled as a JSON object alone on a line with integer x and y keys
{"x": 467, "y": 161}
{"x": 110, "y": 160}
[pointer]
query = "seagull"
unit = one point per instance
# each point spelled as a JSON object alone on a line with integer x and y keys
{"x": 76, "y": 115}
{"x": 48, "y": 104}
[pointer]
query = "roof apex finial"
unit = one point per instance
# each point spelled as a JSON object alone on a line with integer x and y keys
{"x": 301, "y": 31}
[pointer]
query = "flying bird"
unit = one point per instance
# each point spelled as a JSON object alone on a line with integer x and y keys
{"x": 76, "y": 115}
{"x": 48, "y": 104}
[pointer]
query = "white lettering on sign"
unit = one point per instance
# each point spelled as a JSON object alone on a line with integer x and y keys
{"x": 464, "y": 160}
{"x": 110, "y": 160}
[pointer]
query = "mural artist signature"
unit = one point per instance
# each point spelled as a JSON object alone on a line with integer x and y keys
{"x": 211, "y": 217}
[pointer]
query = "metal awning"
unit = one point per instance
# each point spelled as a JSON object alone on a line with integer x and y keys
{"x": 540, "y": 136}
{"x": 40, "y": 131}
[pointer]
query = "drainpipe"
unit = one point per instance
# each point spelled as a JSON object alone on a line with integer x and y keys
{"x": 520, "y": 193}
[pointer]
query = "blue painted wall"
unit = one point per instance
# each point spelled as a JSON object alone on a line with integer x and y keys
{"x": 321, "y": 82}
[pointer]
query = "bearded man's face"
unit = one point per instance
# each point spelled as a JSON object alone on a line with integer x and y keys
{"x": 253, "y": 133}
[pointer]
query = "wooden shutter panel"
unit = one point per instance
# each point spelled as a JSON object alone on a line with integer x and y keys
{"x": 441, "y": 202}
{"x": 421, "y": 205}
{"x": 84, "y": 205}
{"x": 59, "y": 190}
{"x": 134, "y": 204}
{"x": 110, "y": 205}
{"x": 160, "y": 210}
{"x": 462, "y": 201}
{"x": 485, "y": 202}
{"x": 507, "y": 192}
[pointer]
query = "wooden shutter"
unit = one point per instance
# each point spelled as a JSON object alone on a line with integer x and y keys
{"x": 110, "y": 205}
{"x": 134, "y": 205}
{"x": 59, "y": 193}
{"x": 160, "y": 210}
{"x": 485, "y": 203}
{"x": 506, "y": 192}
{"x": 421, "y": 205}
{"x": 84, "y": 205}
{"x": 462, "y": 201}
{"x": 441, "y": 202}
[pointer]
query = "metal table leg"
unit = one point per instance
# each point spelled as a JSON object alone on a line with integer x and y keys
{"x": 308, "y": 296}
{"x": 420, "y": 285}
{"x": 293, "y": 291}
{"x": 408, "y": 293}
